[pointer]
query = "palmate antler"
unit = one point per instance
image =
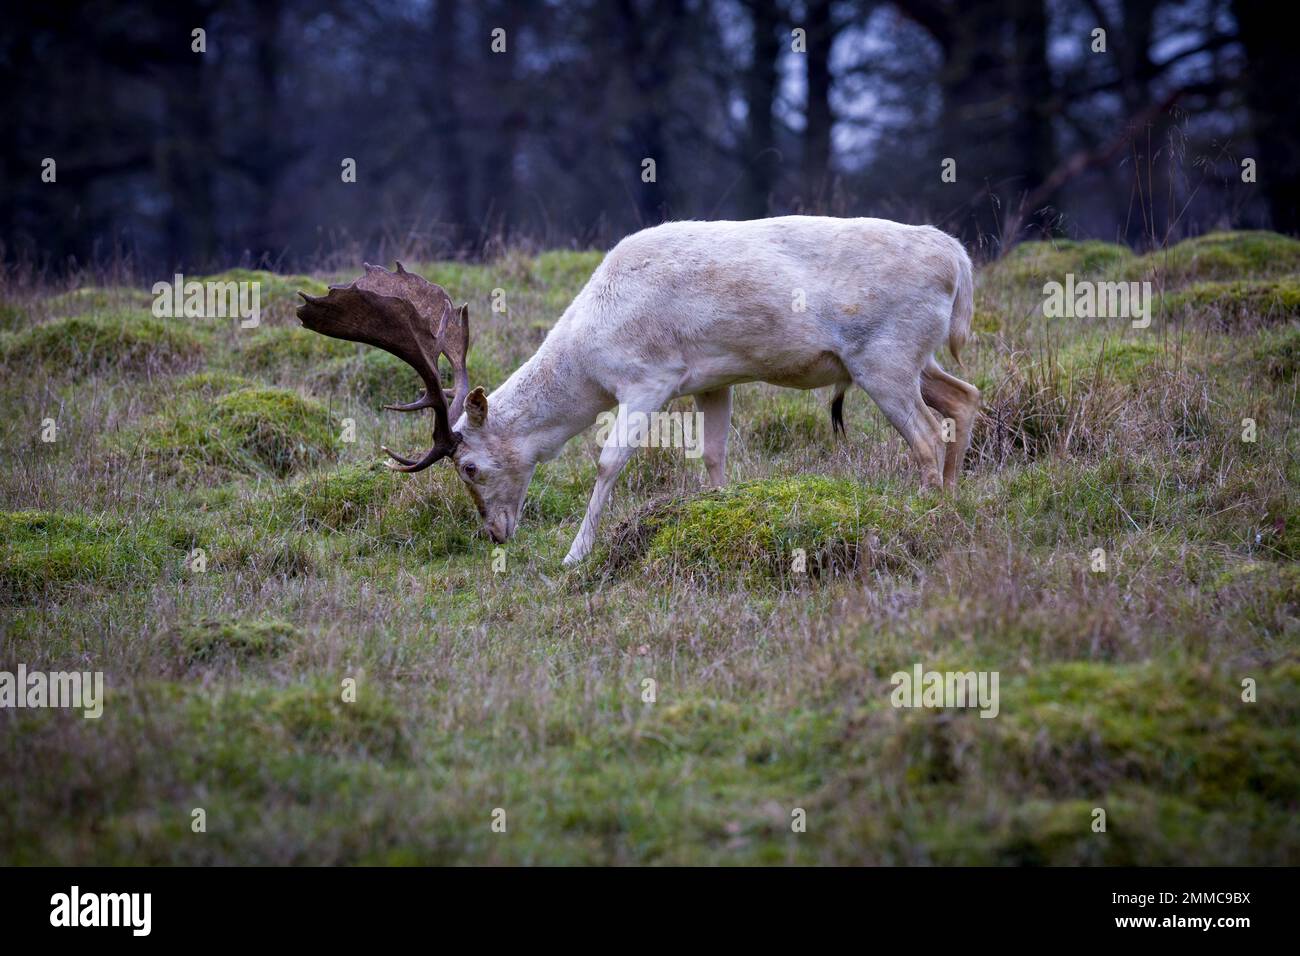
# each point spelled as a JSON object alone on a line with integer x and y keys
{"x": 405, "y": 314}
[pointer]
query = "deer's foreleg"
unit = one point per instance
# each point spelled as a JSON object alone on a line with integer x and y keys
{"x": 629, "y": 434}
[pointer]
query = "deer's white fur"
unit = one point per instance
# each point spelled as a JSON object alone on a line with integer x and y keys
{"x": 692, "y": 308}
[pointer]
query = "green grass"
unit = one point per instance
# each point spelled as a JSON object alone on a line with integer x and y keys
{"x": 250, "y": 430}
{"x": 1118, "y": 360}
{"x": 273, "y": 346}
{"x": 97, "y": 299}
{"x": 1038, "y": 262}
{"x": 1278, "y": 354}
{"x": 783, "y": 427}
{"x": 13, "y": 317}
{"x": 125, "y": 343}
{"x": 277, "y": 294}
{"x": 356, "y": 675}
{"x": 42, "y": 551}
{"x": 1232, "y": 256}
{"x": 1235, "y": 303}
{"x": 786, "y": 529}
{"x": 372, "y": 377}
{"x": 215, "y": 638}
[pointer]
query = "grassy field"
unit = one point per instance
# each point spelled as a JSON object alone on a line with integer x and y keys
{"x": 521, "y": 689}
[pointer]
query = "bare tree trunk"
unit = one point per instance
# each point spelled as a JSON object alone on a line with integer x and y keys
{"x": 268, "y": 159}
{"x": 1133, "y": 47}
{"x": 499, "y": 161}
{"x": 188, "y": 156}
{"x": 995, "y": 122}
{"x": 452, "y": 168}
{"x": 818, "y": 118}
{"x": 760, "y": 156}
{"x": 1030, "y": 139}
{"x": 1274, "y": 109}
{"x": 648, "y": 47}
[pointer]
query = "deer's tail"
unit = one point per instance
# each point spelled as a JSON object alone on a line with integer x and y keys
{"x": 837, "y": 410}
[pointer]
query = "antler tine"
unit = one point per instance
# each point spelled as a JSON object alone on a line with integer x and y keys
{"x": 394, "y": 311}
{"x": 407, "y": 464}
{"x": 424, "y": 401}
{"x": 453, "y": 336}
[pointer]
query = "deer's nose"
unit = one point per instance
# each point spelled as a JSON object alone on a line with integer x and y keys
{"x": 498, "y": 529}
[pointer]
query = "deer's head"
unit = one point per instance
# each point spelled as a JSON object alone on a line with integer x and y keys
{"x": 405, "y": 314}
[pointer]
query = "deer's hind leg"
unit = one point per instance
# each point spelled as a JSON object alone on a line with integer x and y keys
{"x": 897, "y": 390}
{"x": 715, "y": 408}
{"x": 953, "y": 399}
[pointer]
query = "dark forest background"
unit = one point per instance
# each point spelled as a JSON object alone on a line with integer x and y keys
{"x": 168, "y": 158}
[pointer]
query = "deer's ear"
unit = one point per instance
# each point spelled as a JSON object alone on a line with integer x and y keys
{"x": 476, "y": 407}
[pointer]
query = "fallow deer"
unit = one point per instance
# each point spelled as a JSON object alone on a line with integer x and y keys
{"x": 687, "y": 308}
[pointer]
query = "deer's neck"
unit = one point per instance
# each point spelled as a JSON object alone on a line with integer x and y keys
{"x": 548, "y": 400}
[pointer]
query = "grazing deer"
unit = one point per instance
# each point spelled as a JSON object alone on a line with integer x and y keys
{"x": 687, "y": 308}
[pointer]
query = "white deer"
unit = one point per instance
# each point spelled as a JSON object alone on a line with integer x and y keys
{"x": 689, "y": 308}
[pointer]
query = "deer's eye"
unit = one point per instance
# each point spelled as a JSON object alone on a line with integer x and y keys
{"x": 471, "y": 469}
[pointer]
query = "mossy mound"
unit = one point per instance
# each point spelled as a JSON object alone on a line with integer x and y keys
{"x": 208, "y": 384}
{"x": 233, "y": 638}
{"x": 337, "y": 500}
{"x": 126, "y": 343}
{"x": 1185, "y": 728}
{"x": 264, "y": 724}
{"x": 1241, "y": 255}
{"x": 98, "y": 299}
{"x": 1244, "y": 304}
{"x": 563, "y": 270}
{"x": 45, "y": 549}
{"x": 318, "y": 717}
{"x": 1160, "y": 748}
{"x": 542, "y": 285}
{"x": 375, "y": 377}
{"x": 463, "y": 280}
{"x": 249, "y": 431}
{"x": 277, "y": 294}
{"x": 266, "y": 556}
{"x": 274, "y": 347}
{"x": 363, "y": 509}
{"x": 1217, "y": 257}
{"x": 371, "y": 377}
{"x": 786, "y": 529}
{"x": 1039, "y": 262}
{"x": 1143, "y": 828}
